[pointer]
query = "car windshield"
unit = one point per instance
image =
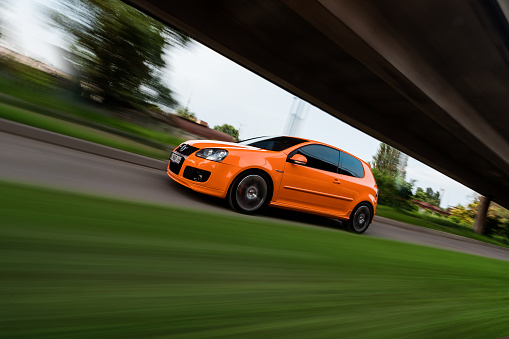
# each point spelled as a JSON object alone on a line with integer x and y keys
{"x": 273, "y": 143}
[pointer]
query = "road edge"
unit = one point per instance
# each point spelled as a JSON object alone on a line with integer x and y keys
{"x": 43, "y": 135}
{"x": 395, "y": 223}
{"x": 49, "y": 137}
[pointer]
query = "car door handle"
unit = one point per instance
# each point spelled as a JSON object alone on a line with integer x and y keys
{"x": 336, "y": 181}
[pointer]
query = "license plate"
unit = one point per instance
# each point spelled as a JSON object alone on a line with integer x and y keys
{"x": 175, "y": 158}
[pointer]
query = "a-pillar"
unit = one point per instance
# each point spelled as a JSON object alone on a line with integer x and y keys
{"x": 482, "y": 213}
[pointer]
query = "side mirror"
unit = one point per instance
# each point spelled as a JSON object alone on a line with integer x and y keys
{"x": 299, "y": 159}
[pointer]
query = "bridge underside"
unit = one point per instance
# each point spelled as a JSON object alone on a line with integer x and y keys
{"x": 430, "y": 78}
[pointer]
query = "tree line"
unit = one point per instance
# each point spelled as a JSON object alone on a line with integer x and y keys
{"x": 185, "y": 113}
{"x": 118, "y": 52}
{"x": 396, "y": 192}
{"x": 118, "y": 59}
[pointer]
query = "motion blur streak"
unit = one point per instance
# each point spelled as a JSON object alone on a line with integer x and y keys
{"x": 91, "y": 267}
{"x": 84, "y": 266}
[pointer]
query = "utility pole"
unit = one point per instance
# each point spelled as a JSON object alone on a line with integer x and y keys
{"x": 402, "y": 163}
{"x": 297, "y": 115}
{"x": 240, "y": 126}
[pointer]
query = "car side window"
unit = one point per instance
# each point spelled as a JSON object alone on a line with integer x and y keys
{"x": 319, "y": 157}
{"x": 277, "y": 144}
{"x": 350, "y": 166}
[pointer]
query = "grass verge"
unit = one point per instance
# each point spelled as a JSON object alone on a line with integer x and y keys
{"x": 61, "y": 103}
{"x": 77, "y": 131}
{"x": 80, "y": 266}
{"x": 436, "y": 223}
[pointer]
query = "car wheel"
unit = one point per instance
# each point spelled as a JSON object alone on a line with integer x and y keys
{"x": 249, "y": 193}
{"x": 359, "y": 219}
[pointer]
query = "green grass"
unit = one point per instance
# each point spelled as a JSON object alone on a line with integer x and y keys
{"x": 436, "y": 223}
{"x": 59, "y": 103}
{"x": 81, "y": 266}
{"x": 81, "y": 132}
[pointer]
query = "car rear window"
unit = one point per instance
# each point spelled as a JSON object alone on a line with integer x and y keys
{"x": 351, "y": 166}
{"x": 273, "y": 143}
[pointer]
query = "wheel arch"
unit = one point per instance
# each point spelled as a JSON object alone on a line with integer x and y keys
{"x": 370, "y": 206}
{"x": 256, "y": 170}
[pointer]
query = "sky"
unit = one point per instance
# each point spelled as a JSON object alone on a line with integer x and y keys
{"x": 219, "y": 91}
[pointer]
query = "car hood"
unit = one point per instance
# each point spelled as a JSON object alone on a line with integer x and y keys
{"x": 230, "y": 146}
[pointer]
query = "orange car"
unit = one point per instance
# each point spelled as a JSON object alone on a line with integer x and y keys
{"x": 285, "y": 172}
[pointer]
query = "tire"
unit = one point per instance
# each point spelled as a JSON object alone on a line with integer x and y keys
{"x": 359, "y": 219}
{"x": 249, "y": 193}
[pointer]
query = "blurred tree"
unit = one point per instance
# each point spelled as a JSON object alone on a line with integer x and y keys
{"x": 386, "y": 160}
{"x": 394, "y": 192}
{"x": 428, "y": 196}
{"x": 464, "y": 214}
{"x": 497, "y": 222}
{"x": 118, "y": 52}
{"x": 228, "y": 129}
{"x": 156, "y": 109}
{"x": 502, "y": 212}
{"x": 420, "y": 195}
{"x": 393, "y": 189}
{"x": 185, "y": 113}
{"x": 433, "y": 197}
{"x": 4, "y": 9}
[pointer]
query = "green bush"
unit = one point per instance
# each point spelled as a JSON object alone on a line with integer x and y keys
{"x": 394, "y": 192}
{"x": 32, "y": 76}
{"x": 496, "y": 227}
{"x": 455, "y": 219}
{"x": 439, "y": 220}
{"x": 61, "y": 103}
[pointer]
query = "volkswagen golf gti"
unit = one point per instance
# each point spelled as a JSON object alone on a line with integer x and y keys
{"x": 285, "y": 172}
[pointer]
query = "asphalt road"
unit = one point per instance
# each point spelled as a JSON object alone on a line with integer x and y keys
{"x": 26, "y": 160}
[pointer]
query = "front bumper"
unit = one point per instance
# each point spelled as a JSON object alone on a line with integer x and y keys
{"x": 221, "y": 175}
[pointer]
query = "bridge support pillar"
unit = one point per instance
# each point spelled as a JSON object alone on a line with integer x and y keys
{"x": 482, "y": 213}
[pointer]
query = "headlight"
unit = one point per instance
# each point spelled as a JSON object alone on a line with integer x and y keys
{"x": 214, "y": 154}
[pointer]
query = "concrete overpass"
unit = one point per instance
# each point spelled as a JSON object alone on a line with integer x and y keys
{"x": 430, "y": 78}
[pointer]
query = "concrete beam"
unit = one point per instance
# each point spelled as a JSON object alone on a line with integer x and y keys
{"x": 373, "y": 29}
{"x": 428, "y": 77}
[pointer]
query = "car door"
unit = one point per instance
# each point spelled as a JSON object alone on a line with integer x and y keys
{"x": 351, "y": 173}
{"x": 315, "y": 185}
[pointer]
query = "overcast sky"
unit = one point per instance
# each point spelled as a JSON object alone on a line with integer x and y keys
{"x": 220, "y": 91}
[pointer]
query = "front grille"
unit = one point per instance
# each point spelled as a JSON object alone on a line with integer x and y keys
{"x": 186, "y": 149}
{"x": 196, "y": 174}
{"x": 175, "y": 168}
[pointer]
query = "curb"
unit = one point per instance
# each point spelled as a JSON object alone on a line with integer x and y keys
{"x": 78, "y": 144}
